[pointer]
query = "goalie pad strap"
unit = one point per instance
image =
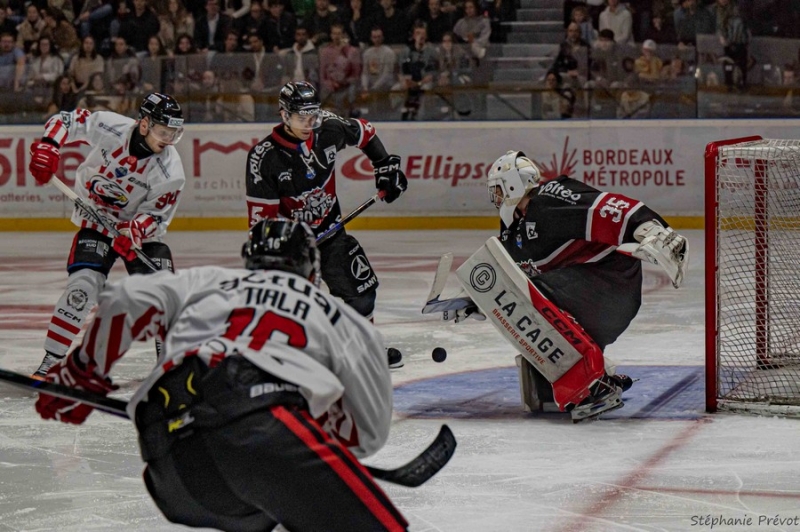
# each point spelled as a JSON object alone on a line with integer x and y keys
{"x": 546, "y": 336}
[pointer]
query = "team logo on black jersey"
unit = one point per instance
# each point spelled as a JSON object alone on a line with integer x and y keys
{"x": 529, "y": 268}
{"x": 330, "y": 154}
{"x": 360, "y": 268}
{"x": 316, "y": 205}
{"x": 107, "y": 192}
{"x": 530, "y": 230}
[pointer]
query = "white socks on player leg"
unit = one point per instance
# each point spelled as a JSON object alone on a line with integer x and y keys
{"x": 83, "y": 288}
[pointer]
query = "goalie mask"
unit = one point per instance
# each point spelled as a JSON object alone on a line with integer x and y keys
{"x": 283, "y": 245}
{"x": 511, "y": 177}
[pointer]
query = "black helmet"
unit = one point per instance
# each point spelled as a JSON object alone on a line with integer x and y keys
{"x": 162, "y": 109}
{"x": 282, "y": 245}
{"x": 299, "y": 96}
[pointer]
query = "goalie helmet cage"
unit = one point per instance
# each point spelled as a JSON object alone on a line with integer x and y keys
{"x": 752, "y": 235}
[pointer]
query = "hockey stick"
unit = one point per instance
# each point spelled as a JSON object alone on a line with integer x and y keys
{"x": 94, "y": 215}
{"x": 327, "y": 235}
{"x": 413, "y": 474}
{"x": 434, "y": 304}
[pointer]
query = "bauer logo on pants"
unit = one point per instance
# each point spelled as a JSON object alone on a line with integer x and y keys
{"x": 360, "y": 268}
{"x": 482, "y": 277}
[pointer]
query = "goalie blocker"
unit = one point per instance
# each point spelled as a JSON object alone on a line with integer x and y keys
{"x": 548, "y": 338}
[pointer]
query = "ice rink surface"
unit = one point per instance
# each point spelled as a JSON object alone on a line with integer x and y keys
{"x": 657, "y": 464}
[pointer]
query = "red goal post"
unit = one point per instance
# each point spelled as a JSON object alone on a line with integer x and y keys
{"x": 752, "y": 269}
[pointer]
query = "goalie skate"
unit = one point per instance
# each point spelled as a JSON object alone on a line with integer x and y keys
{"x": 606, "y": 395}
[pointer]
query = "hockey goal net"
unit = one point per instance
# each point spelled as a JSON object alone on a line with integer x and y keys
{"x": 753, "y": 275}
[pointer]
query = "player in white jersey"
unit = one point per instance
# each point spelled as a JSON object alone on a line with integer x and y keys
{"x": 133, "y": 177}
{"x": 265, "y": 390}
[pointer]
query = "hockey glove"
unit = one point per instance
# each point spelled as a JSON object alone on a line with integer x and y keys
{"x": 131, "y": 234}
{"x": 464, "y": 313}
{"x": 44, "y": 161}
{"x": 389, "y": 178}
{"x": 72, "y": 372}
{"x": 662, "y": 246}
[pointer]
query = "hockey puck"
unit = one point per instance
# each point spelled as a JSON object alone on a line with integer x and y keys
{"x": 439, "y": 354}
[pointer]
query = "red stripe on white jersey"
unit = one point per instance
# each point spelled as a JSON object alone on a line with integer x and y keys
{"x": 144, "y": 320}
{"x": 70, "y": 328}
{"x": 342, "y": 469}
{"x": 608, "y": 216}
{"x": 114, "y": 342}
{"x": 147, "y": 224}
{"x": 54, "y": 129}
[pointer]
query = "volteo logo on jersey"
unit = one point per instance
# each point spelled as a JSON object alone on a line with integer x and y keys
{"x": 557, "y": 190}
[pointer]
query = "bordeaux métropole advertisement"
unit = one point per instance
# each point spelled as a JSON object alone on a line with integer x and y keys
{"x": 658, "y": 162}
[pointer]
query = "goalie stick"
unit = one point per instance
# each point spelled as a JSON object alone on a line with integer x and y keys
{"x": 434, "y": 304}
{"x": 94, "y": 215}
{"x": 335, "y": 228}
{"x": 413, "y": 474}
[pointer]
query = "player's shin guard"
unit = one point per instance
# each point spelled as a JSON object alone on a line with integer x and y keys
{"x": 83, "y": 288}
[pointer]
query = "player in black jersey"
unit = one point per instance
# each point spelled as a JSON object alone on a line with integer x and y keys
{"x": 290, "y": 174}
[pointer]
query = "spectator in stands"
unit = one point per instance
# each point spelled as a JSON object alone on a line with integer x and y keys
{"x": 690, "y": 20}
{"x": 455, "y": 70}
{"x": 154, "y": 65}
{"x": 187, "y": 59}
{"x": 301, "y": 61}
{"x": 393, "y": 23}
{"x": 633, "y": 103}
{"x": 734, "y": 37}
{"x": 648, "y": 66}
{"x": 629, "y": 77}
{"x": 85, "y": 63}
{"x": 567, "y": 67}
{"x": 61, "y": 32}
{"x": 473, "y": 29}
{"x": 64, "y": 6}
{"x": 65, "y": 96}
{"x": 94, "y": 19}
{"x": 95, "y": 97}
{"x": 575, "y": 51}
{"x": 281, "y": 26}
{"x": 594, "y": 8}
{"x": 253, "y": 22}
{"x": 229, "y": 64}
{"x": 418, "y": 67}
{"x": 121, "y": 99}
{"x": 674, "y": 69}
{"x": 437, "y": 22}
{"x": 237, "y": 9}
{"x": 558, "y": 101}
{"x": 7, "y": 25}
{"x": 302, "y": 9}
{"x": 498, "y": 12}
{"x": 44, "y": 67}
{"x": 140, "y": 24}
{"x": 319, "y": 23}
{"x": 378, "y": 69}
{"x": 586, "y": 32}
{"x": 661, "y": 30}
{"x": 31, "y": 28}
{"x": 340, "y": 72}
{"x": 606, "y": 49}
{"x": 210, "y": 29}
{"x": 264, "y": 73}
{"x": 122, "y": 62}
{"x": 12, "y": 73}
{"x": 175, "y": 21}
{"x": 357, "y": 22}
{"x": 617, "y": 19}
{"x": 206, "y": 105}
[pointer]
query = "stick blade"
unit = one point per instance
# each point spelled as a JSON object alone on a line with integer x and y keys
{"x": 440, "y": 278}
{"x": 426, "y": 465}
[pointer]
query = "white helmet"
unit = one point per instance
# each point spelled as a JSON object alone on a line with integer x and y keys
{"x": 511, "y": 177}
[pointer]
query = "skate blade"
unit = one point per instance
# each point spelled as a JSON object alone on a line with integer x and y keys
{"x": 594, "y": 410}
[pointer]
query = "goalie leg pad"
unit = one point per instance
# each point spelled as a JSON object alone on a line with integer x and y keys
{"x": 536, "y": 393}
{"x": 549, "y": 338}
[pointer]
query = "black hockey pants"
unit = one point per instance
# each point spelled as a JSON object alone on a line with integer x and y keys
{"x": 242, "y": 463}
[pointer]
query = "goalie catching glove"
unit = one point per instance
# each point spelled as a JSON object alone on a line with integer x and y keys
{"x": 45, "y": 158}
{"x": 662, "y": 246}
{"x": 389, "y": 178}
{"x": 72, "y": 372}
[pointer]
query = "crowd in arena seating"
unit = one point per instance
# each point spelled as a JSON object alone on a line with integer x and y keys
{"x": 228, "y": 58}
{"x": 385, "y": 59}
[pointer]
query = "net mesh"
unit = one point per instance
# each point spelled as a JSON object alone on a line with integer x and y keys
{"x": 758, "y": 276}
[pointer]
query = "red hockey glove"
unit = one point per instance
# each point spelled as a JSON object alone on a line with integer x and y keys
{"x": 130, "y": 237}
{"x": 44, "y": 161}
{"x": 389, "y": 178}
{"x": 71, "y": 372}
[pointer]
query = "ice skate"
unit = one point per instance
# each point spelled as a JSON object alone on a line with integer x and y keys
{"x": 605, "y": 396}
{"x": 49, "y": 360}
